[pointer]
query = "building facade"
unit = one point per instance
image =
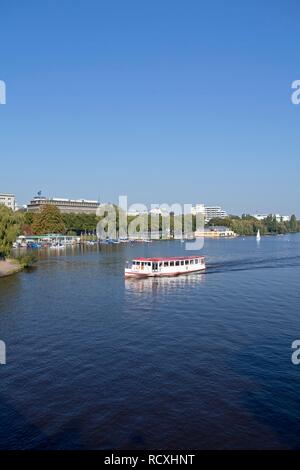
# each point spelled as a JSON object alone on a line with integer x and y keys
{"x": 216, "y": 232}
{"x": 66, "y": 206}
{"x": 212, "y": 212}
{"x": 9, "y": 200}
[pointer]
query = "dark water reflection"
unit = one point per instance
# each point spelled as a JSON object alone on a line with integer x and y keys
{"x": 199, "y": 361}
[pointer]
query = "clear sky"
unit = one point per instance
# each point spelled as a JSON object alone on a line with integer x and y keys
{"x": 163, "y": 100}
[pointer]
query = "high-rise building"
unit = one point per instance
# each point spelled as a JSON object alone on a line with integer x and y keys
{"x": 9, "y": 200}
{"x": 212, "y": 212}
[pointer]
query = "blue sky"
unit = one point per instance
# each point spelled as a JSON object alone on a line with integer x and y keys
{"x": 162, "y": 100}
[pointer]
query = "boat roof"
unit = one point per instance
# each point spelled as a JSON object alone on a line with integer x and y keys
{"x": 166, "y": 258}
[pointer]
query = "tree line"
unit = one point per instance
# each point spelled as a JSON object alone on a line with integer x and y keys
{"x": 249, "y": 225}
{"x": 51, "y": 220}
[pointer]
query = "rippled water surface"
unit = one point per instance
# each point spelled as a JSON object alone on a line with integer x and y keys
{"x": 198, "y": 361}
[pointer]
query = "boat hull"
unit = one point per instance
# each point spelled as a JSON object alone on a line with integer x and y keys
{"x": 132, "y": 274}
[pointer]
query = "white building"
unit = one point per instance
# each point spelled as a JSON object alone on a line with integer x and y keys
{"x": 260, "y": 216}
{"x": 9, "y": 200}
{"x": 283, "y": 218}
{"x": 212, "y": 212}
{"x": 67, "y": 206}
{"x": 279, "y": 218}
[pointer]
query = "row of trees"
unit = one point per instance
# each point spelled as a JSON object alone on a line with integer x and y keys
{"x": 249, "y": 225}
{"x": 50, "y": 220}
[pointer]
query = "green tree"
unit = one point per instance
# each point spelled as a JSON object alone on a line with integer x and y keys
{"x": 271, "y": 223}
{"x": 293, "y": 224}
{"x": 49, "y": 220}
{"x": 10, "y": 225}
{"x": 77, "y": 223}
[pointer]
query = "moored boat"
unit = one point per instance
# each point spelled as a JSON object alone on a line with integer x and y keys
{"x": 174, "y": 266}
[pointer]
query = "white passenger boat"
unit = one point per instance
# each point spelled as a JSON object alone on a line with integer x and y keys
{"x": 145, "y": 267}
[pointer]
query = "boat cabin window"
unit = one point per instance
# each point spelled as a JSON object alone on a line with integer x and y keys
{"x": 149, "y": 264}
{"x": 191, "y": 261}
{"x": 166, "y": 263}
{"x": 186, "y": 261}
{"x": 177, "y": 263}
{"x": 171, "y": 263}
{"x": 133, "y": 263}
{"x": 160, "y": 264}
{"x": 182, "y": 263}
{"x": 196, "y": 261}
{"x": 138, "y": 263}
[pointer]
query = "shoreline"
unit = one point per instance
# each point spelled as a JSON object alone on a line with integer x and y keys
{"x": 9, "y": 267}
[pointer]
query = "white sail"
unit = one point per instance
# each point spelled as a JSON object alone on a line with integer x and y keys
{"x": 258, "y": 235}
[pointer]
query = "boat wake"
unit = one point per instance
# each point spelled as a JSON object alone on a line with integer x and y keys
{"x": 247, "y": 264}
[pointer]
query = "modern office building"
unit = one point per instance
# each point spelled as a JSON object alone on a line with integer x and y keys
{"x": 9, "y": 200}
{"x": 212, "y": 212}
{"x": 68, "y": 206}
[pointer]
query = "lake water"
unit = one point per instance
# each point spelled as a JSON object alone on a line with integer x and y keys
{"x": 200, "y": 361}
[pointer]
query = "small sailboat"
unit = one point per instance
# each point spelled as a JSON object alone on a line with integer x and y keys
{"x": 258, "y": 237}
